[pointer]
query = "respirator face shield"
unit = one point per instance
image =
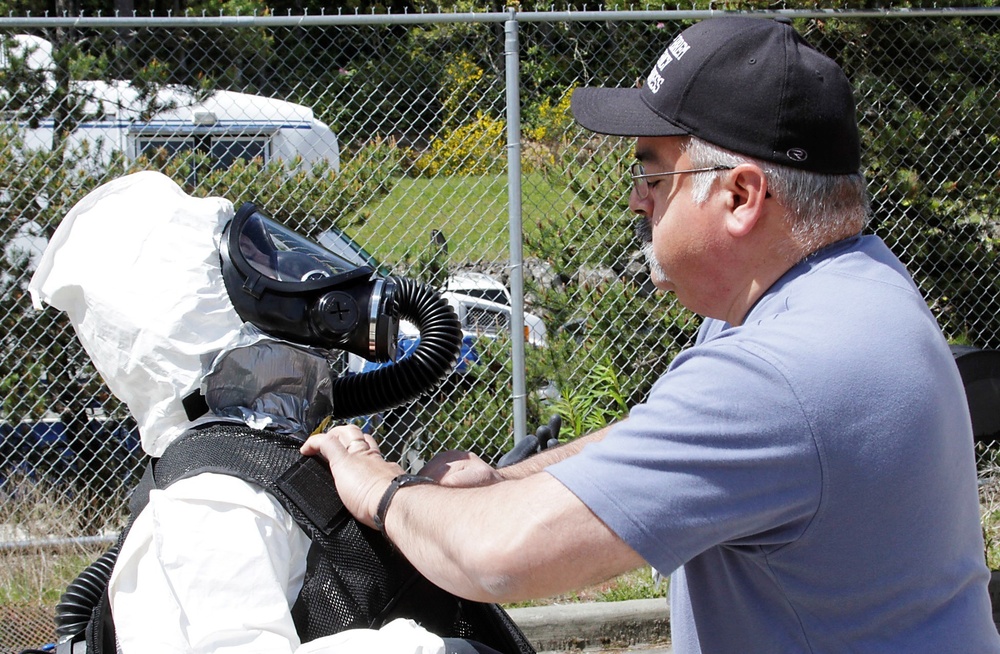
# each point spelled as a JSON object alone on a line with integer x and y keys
{"x": 292, "y": 288}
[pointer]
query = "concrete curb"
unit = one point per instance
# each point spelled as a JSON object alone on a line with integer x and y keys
{"x": 589, "y": 625}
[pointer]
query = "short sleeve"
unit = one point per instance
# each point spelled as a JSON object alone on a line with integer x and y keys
{"x": 720, "y": 453}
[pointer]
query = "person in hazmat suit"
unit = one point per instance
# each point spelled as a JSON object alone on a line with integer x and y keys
{"x": 219, "y": 329}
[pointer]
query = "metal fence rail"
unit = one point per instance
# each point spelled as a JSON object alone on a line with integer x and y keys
{"x": 442, "y": 144}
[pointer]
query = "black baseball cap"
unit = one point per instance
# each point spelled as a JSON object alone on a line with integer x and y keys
{"x": 750, "y": 85}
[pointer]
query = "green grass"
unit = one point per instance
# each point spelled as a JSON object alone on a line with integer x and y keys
{"x": 471, "y": 211}
{"x": 989, "y": 505}
{"x": 637, "y": 584}
{"x": 39, "y": 576}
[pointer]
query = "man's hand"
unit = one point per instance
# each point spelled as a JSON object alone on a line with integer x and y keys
{"x": 358, "y": 469}
{"x": 460, "y": 469}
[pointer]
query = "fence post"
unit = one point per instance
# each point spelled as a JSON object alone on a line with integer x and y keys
{"x": 513, "y": 83}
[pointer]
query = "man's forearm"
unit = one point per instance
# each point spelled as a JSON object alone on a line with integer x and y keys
{"x": 545, "y": 458}
{"x": 509, "y": 541}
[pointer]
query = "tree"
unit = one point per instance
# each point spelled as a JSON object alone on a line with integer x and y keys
{"x": 929, "y": 117}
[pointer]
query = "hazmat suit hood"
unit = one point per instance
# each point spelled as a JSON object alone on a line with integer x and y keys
{"x": 135, "y": 265}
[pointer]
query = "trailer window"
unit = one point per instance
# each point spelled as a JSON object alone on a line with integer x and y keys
{"x": 223, "y": 150}
{"x": 227, "y": 150}
{"x": 149, "y": 147}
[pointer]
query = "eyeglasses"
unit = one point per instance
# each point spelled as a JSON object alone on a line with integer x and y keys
{"x": 639, "y": 176}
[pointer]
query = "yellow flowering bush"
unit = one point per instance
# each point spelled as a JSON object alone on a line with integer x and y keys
{"x": 476, "y": 148}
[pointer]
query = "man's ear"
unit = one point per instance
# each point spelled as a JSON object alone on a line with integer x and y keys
{"x": 746, "y": 186}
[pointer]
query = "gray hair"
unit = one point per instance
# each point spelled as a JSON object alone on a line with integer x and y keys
{"x": 822, "y": 207}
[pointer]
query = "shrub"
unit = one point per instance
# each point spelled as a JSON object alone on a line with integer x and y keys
{"x": 548, "y": 124}
{"x": 476, "y": 148}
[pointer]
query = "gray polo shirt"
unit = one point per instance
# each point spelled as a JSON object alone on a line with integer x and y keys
{"x": 809, "y": 475}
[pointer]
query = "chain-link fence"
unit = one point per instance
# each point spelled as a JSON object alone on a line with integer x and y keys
{"x": 391, "y": 133}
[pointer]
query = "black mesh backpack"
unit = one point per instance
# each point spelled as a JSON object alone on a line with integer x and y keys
{"x": 354, "y": 578}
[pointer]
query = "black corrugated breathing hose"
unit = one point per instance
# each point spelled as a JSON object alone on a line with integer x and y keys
{"x": 423, "y": 370}
{"x": 76, "y": 605}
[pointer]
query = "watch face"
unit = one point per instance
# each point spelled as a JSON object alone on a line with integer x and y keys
{"x": 407, "y": 480}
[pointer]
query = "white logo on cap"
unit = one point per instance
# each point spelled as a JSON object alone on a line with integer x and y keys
{"x": 797, "y": 154}
{"x": 654, "y": 80}
{"x": 677, "y": 49}
{"x": 664, "y": 59}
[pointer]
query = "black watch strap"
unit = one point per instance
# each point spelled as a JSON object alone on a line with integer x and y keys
{"x": 390, "y": 492}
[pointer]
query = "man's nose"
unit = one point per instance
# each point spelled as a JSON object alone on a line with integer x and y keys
{"x": 638, "y": 205}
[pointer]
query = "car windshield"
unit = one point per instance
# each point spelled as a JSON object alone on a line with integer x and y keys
{"x": 489, "y": 294}
{"x": 339, "y": 243}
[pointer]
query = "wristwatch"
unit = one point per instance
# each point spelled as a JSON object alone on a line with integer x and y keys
{"x": 390, "y": 492}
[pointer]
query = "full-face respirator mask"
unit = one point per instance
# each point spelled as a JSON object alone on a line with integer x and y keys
{"x": 294, "y": 289}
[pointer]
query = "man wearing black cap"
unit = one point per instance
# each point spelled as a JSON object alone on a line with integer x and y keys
{"x": 806, "y": 470}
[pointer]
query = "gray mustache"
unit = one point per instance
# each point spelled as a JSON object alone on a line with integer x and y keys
{"x": 643, "y": 231}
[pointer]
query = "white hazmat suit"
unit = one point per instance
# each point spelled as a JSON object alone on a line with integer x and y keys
{"x": 213, "y": 563}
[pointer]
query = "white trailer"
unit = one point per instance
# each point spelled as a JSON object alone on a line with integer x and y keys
{"x": 226, "y": 125}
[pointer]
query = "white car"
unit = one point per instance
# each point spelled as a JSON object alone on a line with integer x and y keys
{"x": 483, "y": 306}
